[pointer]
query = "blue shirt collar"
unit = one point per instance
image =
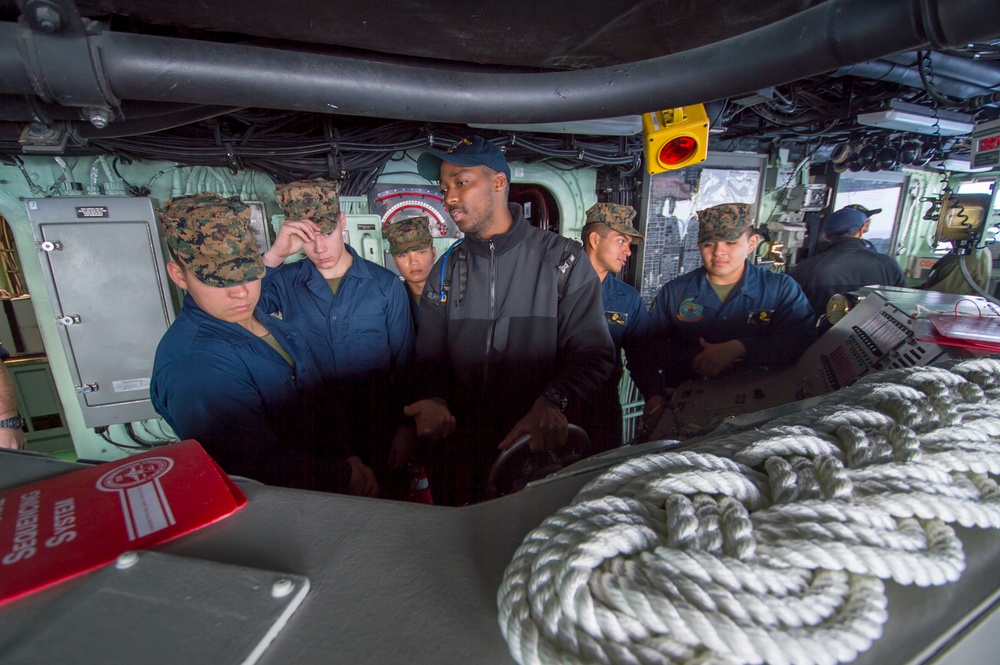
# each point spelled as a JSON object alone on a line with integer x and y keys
{"x": 750, "y": 283}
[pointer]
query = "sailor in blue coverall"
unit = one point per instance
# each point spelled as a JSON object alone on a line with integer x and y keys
{"x": 607, "y": 238}
{"x": 729, "y": 312}
{"x": 240, "y": 382}
{"x": 412, "y": 249}
{"x": 356, "y": 318}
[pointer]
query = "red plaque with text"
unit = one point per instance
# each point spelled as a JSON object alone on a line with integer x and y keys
{"x": 60, "y": 527}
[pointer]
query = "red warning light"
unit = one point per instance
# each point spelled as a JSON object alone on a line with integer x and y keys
{"x": 675, "y": 138}
{"x": 678, "y": 150}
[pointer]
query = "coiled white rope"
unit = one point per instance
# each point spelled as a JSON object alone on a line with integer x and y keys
{"x": 768, "y": 545}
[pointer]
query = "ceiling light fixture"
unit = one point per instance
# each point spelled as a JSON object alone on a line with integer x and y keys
{"x": 956, "y": 166}
{"x": 913, "y": 118}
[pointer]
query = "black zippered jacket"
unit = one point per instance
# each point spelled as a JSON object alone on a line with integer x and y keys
{"x": 505, "y": 333}
{"x": 845, "y": 265}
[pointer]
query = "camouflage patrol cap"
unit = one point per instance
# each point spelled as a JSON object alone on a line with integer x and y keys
{"x": 618, "y": 217}
{"x": 725, "y": 222}
{"x": 407, "y": 235}
{"x": 211, "y": 236}
{"x": 317, "y": 200}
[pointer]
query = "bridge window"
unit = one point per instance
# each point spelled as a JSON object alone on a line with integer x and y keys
{"x": 674, "y": 197}
{"x": 875, "y": 190}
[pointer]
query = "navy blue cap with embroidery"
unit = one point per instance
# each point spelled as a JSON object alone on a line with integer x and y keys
{"x": 868, "y": 213}
{"x": 468, "y": 152}
{"x": 845, "y": 219}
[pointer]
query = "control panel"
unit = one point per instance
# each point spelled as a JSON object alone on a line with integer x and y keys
{"x": 877, "y": 333}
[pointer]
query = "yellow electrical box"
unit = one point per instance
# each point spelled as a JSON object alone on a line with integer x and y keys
{"x": 675, "y": 138}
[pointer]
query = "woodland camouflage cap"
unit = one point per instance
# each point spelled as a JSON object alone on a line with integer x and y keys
{"x": 616, "y": 216}
{"x": 407, "y": 235}
{"x": 317, "y": 200}
{"x": 726, "y": 222}
{"x": 211, "y": 236}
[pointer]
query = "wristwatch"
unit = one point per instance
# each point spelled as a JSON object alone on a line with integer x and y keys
{"x": 17, "y": 422}
{"x": 556, "y": 396}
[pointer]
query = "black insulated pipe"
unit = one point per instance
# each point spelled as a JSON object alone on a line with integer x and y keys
{"x": 830, "y": 35}
{"x": 883, "y": 70}
{"x": 135, "y": 126}
{"x": 974, "y": 71}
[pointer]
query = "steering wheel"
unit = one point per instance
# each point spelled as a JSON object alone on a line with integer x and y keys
{"x": 517, "y": 466}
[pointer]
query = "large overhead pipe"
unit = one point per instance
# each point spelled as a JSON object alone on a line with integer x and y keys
{"x": 956, "y": 77}
{"x": 830, "y": 35}
{"x": 883, "y": 70}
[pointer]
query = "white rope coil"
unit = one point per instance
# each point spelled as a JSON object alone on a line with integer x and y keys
{"x": 766, "y": 546}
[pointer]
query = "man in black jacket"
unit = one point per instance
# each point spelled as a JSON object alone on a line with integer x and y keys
{"x": 512, "y": 330}
{"x": 847, "y": 263}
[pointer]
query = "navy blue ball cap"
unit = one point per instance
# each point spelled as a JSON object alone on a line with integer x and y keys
{"x": 845, "y": 219}
{"x": 868, "y": 213}
{"x": 467, "y": 152}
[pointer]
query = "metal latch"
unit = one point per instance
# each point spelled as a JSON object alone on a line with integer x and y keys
{"x": 68, "y": 319}
{"x": 49, "y": 245}
{"x": 87, "y": 388}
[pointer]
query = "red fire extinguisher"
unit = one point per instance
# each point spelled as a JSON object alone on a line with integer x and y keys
{"x": 420, "y": 489}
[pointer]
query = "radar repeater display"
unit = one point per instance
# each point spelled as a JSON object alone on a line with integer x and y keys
{"x": 986, "y": 144}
